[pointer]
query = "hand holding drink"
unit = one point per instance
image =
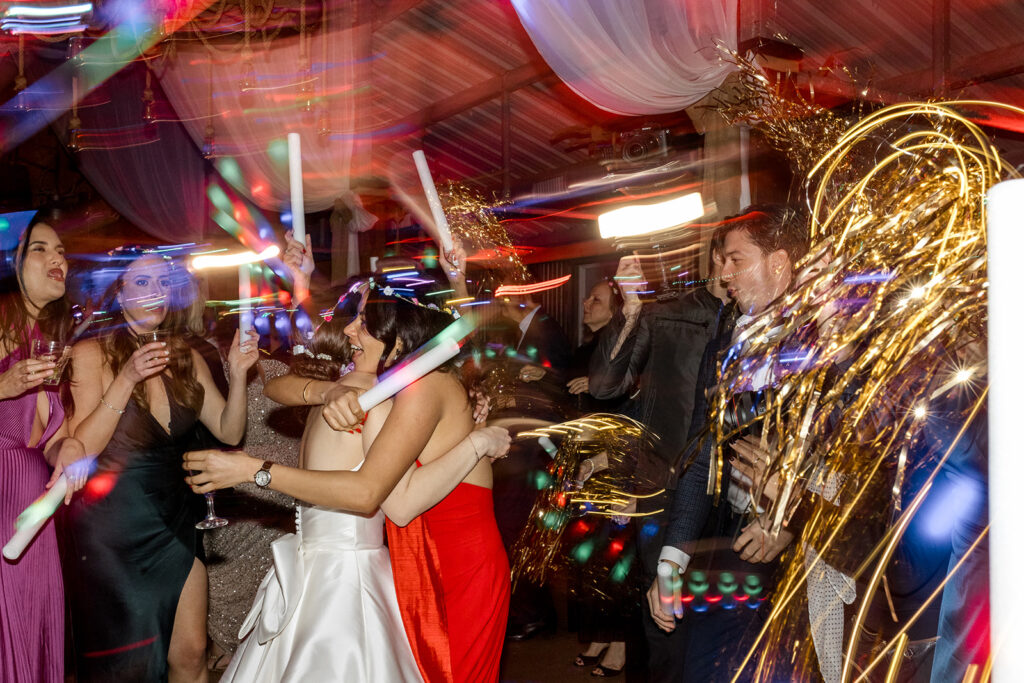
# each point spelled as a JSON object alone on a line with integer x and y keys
{"x": 54, "y": 352}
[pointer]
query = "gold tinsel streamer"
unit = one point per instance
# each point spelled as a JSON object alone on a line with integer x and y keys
{"x": 896, "y": 200}
{"x": 788, "y": 121}
{"x": 473, "y": 220}
{"x": 549, "y": 543}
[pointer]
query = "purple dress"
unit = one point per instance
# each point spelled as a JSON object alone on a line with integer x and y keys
{"x": 31, "y": 589}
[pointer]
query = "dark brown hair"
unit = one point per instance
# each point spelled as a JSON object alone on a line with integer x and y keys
{"x": 54, "y": 319}
{"x": 390, "y": 319}
{"x": 118, "y": 343}
{"x": 328, "y": 351}
{"x": 772, "y": 227}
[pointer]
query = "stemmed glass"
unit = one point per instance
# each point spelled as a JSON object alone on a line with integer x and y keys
{"x": 211, "y": 521}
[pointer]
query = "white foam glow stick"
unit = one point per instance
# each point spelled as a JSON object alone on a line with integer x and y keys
{"x": 430, "y": 356}
{"x": 244, "y": 303}
{"x": 399, "y": 378}
{"x": 34, "y": 517}
{"x": 295, "y": 184}
{"x": 1005, "y": 466}
{"x": 444, "y": 233}
{"x": 668, "y": 589}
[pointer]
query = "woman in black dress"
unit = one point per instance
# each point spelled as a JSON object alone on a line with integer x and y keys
{"x": 603, "y": 624}
{"x": 137, "y": 581}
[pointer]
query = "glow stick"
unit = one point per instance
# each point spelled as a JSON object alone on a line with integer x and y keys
{"x": 1005, "y": 466}
{"x": 428, "y": 357}
{"x": 444, "y": 233}
{"x": 34, "y": 517}
{"x": 548, "y": 445}
{"x": 244, "y": 306}
{"x": 223, "y": 260}
{"x": 295, "y": 183}
{"x": 668, "y": 589}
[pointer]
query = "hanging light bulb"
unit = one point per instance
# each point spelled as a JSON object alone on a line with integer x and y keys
{"x": 75, "y": 46}
{"x": 323, "y": 126}
{"x": 307, "y": 98}
{"x": 74, "y": 134}
{"x": 148, "y": 106}
{"x": 209, "y": 150}
{"x": 21, "y": 94}
{"x": 248, "y": 82}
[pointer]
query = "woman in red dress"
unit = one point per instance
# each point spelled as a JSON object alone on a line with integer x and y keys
{"x": 451, "y": 571}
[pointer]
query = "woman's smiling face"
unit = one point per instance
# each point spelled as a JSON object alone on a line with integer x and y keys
{"x": 145, "y": 288}
{"x": 366, "y": 349}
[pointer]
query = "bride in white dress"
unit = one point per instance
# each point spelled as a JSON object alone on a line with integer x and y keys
{"x": 327, "y": 609}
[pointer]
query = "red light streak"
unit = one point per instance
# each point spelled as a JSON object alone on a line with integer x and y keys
{"x": 520, "y": 290}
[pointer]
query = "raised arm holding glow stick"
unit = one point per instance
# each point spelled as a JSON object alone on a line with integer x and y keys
{"x": 444, "y": 233}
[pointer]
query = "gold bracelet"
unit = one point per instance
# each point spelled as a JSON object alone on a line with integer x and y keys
{"x": 116, "y": 410}
{"x": 305, "y": 401}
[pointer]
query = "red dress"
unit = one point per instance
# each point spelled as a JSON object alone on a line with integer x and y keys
{"x": 452, "y": 580}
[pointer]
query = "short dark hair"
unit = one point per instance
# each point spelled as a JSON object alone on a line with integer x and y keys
{"x": 772, "y": 227}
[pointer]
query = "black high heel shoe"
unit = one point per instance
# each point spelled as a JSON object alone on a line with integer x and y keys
{"x": 583, "y": 660}
{"x": 605, "y": 671}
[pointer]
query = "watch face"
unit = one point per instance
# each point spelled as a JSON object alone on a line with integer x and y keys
{"x": 262, "y": 478}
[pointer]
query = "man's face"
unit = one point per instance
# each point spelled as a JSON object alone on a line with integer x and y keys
{"x": 753, "y": 279}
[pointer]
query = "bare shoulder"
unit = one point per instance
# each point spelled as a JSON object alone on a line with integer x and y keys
{"x": 88, "y": 358}
{"x": 358, "y": 380}
{"x": 87, "y": 349}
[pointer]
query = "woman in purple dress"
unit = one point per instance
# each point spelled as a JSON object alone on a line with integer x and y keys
{"x": 34, "y": 450}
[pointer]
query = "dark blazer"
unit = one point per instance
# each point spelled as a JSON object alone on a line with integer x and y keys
{"x": 659, "y": 361}
{"x": 691, "y": 504}
{"x": 544, "y": 345}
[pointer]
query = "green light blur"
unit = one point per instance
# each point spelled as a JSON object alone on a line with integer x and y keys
{"x": 583, "y": 551}
{"x": 621, "y": 569}
{"x": 277, "y": 150}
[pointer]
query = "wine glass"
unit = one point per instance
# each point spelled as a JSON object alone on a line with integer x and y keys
{"x": 211, "y": 521}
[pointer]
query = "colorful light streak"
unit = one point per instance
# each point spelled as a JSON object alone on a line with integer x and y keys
{"x": 127, "y": 41}
{"x": 523, "y": 290}
{"x": 208, "y": 261}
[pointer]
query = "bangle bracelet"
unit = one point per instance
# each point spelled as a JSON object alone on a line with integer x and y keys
{"x": 119, "y": 411}
{"x": 304, "y": 399}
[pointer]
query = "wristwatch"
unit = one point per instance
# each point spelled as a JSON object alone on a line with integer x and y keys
{"x": 262, "y": 476}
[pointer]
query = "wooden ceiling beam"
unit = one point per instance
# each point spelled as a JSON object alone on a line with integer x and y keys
{"x": 981, "y": 68}
{"x": 392, "y": 11}
{"x": 445, "y": 108}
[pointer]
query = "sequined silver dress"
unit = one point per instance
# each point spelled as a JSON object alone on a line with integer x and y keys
{"x": 239, "y": 555}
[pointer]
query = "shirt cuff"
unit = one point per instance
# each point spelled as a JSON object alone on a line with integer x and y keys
{"x": 672, "y": 554}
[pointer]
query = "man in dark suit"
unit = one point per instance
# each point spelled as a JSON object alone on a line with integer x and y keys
{"x": 759, "y": 251}
{"x": 543, "y": 354}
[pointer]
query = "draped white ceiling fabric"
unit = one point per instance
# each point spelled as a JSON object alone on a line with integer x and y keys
{"x": 250, "y": 125}
{"x": 634, "y": 57}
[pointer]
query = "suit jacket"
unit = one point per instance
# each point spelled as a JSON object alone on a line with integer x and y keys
{"x": 691, "y": 504}
{"x": 660, "y": 360}
{"x": 544, "y": 345}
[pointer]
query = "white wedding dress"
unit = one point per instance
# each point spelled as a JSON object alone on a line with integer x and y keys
{"x": 326, "y": 611}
